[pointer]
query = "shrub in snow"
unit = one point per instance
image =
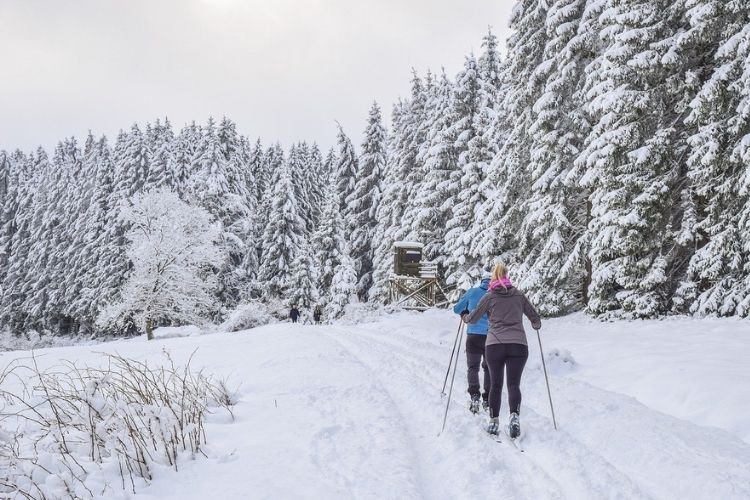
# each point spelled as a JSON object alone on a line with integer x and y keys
{"x": 254, "y": 314}
{"x": 170, "y": 332}
{"x": 363, "y": 312}
{"x": 173, "y": 250}
{"x": 73, "y": 432}
{"x": 10, "y": 341}
{"x": 558, "y": 361}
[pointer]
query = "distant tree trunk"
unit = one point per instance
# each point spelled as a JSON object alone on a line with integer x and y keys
{"x": 149, "y": 329}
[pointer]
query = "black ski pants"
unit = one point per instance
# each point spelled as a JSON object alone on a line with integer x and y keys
{"x": 508, "y": 358}
{"x": 474, "y": 358}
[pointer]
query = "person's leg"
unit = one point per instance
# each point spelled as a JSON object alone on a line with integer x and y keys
{"x": 515, "y": 362}
{"x": 495, "y": 355}
{"x": 487, "y": 383}
{"x": 474, "y": 352}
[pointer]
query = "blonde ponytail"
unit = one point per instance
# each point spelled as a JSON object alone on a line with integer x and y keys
{"x": 500, "y": 271}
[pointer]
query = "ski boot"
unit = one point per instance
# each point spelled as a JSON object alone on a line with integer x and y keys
{"x": 485, "y": 405}
{"x": 493, "y": 427}
{"x": 474, "y": 404}
{"x": 514, "y": 427}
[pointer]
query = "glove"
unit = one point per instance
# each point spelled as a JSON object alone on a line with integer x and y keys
{"x": 465, "y": 317}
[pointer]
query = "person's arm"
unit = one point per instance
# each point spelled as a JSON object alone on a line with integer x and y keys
{"x": 530, "y": 312}
{"x": 462, "y": 304}
{"x": 477, "y": 313}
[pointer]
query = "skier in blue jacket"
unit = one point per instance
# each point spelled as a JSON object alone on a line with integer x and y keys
{"x": 476, "y": 334}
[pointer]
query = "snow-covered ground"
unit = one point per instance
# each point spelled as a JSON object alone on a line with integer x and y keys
{"x": 656, "y": 409}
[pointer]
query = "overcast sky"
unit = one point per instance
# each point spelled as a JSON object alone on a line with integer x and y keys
{"x": 282, "y": 69}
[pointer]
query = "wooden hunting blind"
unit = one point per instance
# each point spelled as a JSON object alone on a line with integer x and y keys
{"x": 406, "y": 258}
{"x": 414, "y": 282}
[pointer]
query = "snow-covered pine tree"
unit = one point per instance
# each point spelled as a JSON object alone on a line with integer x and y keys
{"x": 386, "y": 215}
{"x": 4, "y": 172}
{"x": 303, "y": 291}
{"x": 219, "y": 186}
{"x": 407, "y": 224}
{"x": 436, "y": 193}
{"x": 35, "y": 293}
{"x": 718, "y": 277}
{"x": 273, "y": 161}
{"x": 632, "y": 165}
{"x": 473, "y": 154}
{"x": 98, "y": 250}
{"x": 173, "y": 247}
{"x": 282, "y": 237}
{"x": 12, "y": 173}
{"x": 17, "y": 229}
{"x": 302, "y": 180}
{"x": 184, "y": 152}
{"x": 329, "y": 243}
{"x": 552, "y": 268}
{"x": 248, "y": 268}
{"x": 507, "y": 181}
{"x": 240, "y": 219}
{"x": 256, "y": 175}
{"x": 161, "y": 141}
{"x": 362, "y": 202}
{"x": 490, "y": 67}
{"x": 76, "y": 256}
{"x": 318, "y": 180}
{"x": 329, "y": 167}
{"x": 407, "y": 172}
{"x": 69, "y": 160}
{"x": 114, "y": 269}
{"x": 400, "y": 182}
{"x": 131, "y": 157}
{"x": 343, "y": 287}
{"x": 345, "y": 172}
{"x": 272, "y": 165}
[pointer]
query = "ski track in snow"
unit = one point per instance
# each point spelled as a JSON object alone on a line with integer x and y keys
{"x": 558, "y": 476}
{"x": 608, "y": 446}
{"x": 438, "y": 461}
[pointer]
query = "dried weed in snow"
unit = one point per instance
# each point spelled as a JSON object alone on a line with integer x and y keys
{"x": 72, "y": 432}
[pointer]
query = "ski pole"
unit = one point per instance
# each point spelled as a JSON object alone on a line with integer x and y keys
{"x": 453, "y": 378}
{"x": 544, "y": 365}
{"x": 455, "y": 342}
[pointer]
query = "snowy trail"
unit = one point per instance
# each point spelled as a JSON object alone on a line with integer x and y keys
{"x": 398, "y": 370}
{"x": 354, "y": 412}
{"x": 609, "y": 444}
{"x": 546, "y": 473}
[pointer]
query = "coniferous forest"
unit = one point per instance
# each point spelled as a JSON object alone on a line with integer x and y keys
{"x": 605, "y": 156}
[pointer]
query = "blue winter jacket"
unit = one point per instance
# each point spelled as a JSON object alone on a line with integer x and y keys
{"x": 469, "y": 302}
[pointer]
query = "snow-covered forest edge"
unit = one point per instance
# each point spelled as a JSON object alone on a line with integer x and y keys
{"x": 606, "y": 158}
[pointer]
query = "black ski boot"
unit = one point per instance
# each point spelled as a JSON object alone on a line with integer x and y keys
{"x": 493, "y": 427}
{"x": 474, "y": 405}
{"x": 485, "y": 404}
{"x": 514, "y": 427}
